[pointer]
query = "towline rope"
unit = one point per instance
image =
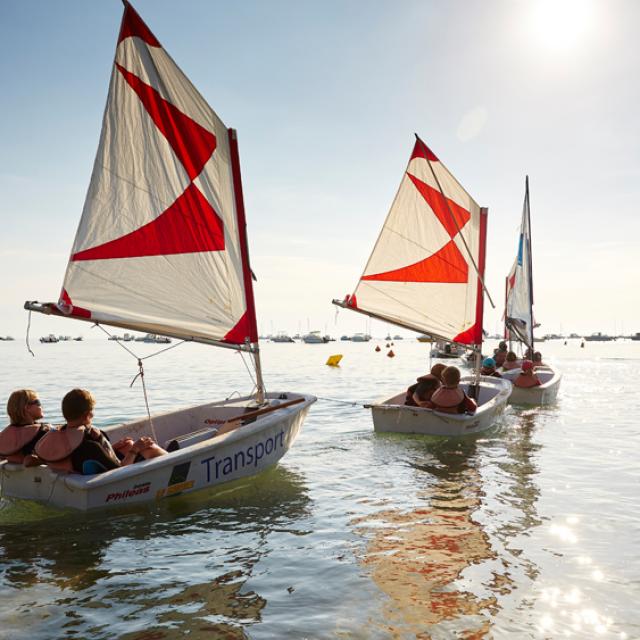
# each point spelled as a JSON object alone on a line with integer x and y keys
{"x": 353, "y": 403}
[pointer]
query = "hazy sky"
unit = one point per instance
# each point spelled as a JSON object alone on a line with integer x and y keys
{"x": 325, "y": 97}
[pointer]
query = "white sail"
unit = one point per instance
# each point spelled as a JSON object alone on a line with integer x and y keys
{"x": 519, "y": 312}
{"x": 422, "y": 271}
{"x": 160, "y": 247}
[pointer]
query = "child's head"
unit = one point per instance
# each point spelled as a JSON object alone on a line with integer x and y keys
{"x": 502, "y": 346}
{"x": 511, "y": 357}
{"x": 77, "y": 404}
{"x": 451, "y": 376}
{"x": 18, "y": 403}
{"x": 527, "y": 366}
{"x": 489, "y": 363}
{"x": 537, "y": 357}
{"x": 437, "y": 370}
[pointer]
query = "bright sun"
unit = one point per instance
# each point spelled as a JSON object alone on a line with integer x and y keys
{"x": 560, "y": 25}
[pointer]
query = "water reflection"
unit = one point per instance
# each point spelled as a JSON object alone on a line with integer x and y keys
{"x": 178, "y": 568}
{"x": 417, "y": 557}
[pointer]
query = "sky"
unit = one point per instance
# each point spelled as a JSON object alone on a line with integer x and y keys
{"x": 326, "y": 97}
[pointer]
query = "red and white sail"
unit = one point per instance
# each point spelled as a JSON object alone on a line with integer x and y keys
{"x": 519, "y": 312}
{"x": 161, "y": 243}
{"x": 422, "y": 272}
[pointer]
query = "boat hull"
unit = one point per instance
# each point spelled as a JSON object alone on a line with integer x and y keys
{"x": 242, "y": 452}
{"x": 546, "y": 393}
{"x": 390, "y": 416}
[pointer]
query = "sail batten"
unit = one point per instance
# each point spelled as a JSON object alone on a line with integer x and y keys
{"x": 161, "y": 243}
{"x": 422, "y": 270}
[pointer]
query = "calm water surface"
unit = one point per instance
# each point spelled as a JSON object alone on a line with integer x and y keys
{"x": 531, "y": 531}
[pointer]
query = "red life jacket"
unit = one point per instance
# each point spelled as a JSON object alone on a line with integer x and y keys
{"x": 448, "y": 400}
{"x": 13, "y": 438}
{"x": 526, "y": 382}
{"x": 56, "y": 447}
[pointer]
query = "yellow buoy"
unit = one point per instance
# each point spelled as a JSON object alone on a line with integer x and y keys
{"x": 334, "y": 361}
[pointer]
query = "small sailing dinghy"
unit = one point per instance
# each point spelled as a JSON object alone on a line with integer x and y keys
{"x": 161, "y": 248}
{"x": 519, "y": 321}
{"x": 425, "y": 274}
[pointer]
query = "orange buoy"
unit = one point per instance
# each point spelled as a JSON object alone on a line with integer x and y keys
{"x": 387, "y": 345}
{"x": 378, "y": 348}
{"x": 390, "y": 354}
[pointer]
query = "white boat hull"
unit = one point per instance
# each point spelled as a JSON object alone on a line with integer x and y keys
{"x": 245, "y": 451}
{"x": 393, "y": 416}
{"x": 546, "y": 393}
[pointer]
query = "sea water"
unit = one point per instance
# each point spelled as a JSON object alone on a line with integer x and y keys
{"x": 530, "y": 531}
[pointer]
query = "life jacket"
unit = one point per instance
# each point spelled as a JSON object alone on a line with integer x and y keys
{"x": 485, "y": 371}
{"x": 526, "y": 382}
{"x": 507, "y": 366}
{"x": 56, "y": 447}
{"x": 408, "y": 400}
{"x": 13, "y": 438}
{"x": 448, "y": 400}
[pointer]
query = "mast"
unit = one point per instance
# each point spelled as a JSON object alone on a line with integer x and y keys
{"x": 482, "y": 257}
{"x": 530, "y": 259}
{"x": 252, "y": 324}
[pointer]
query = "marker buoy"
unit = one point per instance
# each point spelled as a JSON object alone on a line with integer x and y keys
{"x": 334, "y": 361}
{"x": 390, "y": 354}
{"x": 378, "y": 348}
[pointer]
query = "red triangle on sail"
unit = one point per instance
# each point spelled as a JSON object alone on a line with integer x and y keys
{"x": 189, "y": 225}
{"x": 241, "y": 331}
{"x": 79, "y": 312}
{"x": 446, "y": 265}
{"x": 473, "y": 335}
{"x": 134, "y": 26}
{"x": 191, "y": 142}
{"x": 438, "y": 204}
{"x": 420, "y": 150}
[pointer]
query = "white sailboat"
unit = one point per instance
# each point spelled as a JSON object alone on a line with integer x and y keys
{"x": 164, "y": 210}
{"x": 425, "y": 274}
{"x": 519, "y": 318}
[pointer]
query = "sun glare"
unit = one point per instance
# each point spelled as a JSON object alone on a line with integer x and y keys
{"x": 561, "y": 25}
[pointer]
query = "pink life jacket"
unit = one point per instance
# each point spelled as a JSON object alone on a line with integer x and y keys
{"x": 448, "y": 400}
{"x": 526, "y": 382}
{"x": 13, "y": 438}
{"x": 56, "y": 447}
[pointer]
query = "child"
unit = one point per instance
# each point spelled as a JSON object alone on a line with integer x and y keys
{"x": 20, "y": 437}
{"x": 426, "y": 387}
{"x": 527, "y": 377}
{"x": 489, "y": 368}
{"x": 450, "y": 398}
{"x": 511, "y": 362}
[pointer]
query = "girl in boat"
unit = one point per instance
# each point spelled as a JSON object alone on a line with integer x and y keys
{"x": 500, "y": 354}
{"x": 18, "y": 440}
{"x": 450, "y": 398}
{"x": 511, "y": 362}
{"x": 79, "y": 447}
{"x": 436, "y": 372}
{"x": 426, "y": 387}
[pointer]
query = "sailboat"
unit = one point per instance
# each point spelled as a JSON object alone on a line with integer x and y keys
{"x": 426, "y": 274}
{"x": 161, "y": 248}
{"x": 519, "y": 320}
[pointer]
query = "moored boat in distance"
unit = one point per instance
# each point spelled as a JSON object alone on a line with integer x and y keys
{"x": 50, "y": 339}
{"x": 424, "y": 338}
{"x": 360, "y": 337}
{"x": 599, "y": 337}
{"x": 443, "y": 349}
{"x": 314, "y": 337}
{"x": 281, "y": 337}
{"x": 152, "y": 338}
{"x": 434, "y": 287}
{"x": 166, "y": 157}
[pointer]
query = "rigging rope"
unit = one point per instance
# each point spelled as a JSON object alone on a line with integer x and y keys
{"x": 27, "y": 337}
{"x": 353, "y": 403}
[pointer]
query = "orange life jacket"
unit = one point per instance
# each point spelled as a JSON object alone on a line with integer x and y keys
{"x": 56, "y": 447}
{"x": 526, "y": 382}
{"x": 448, "y": 400}
{"x": 13, "y": 438}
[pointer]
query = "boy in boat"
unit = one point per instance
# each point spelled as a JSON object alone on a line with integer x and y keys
{"x": 527, "y": 377}
{"x": 489, "y": 368}
{"x": 450, "y": 398}
{"x": 537, "y": 360}
{"x": 24, "y": 431}
{"x": 79, "y": 447}
{"x": 500, "y": 354}
{"x": 511, "y": 362}
{"x": 436, "y": 372}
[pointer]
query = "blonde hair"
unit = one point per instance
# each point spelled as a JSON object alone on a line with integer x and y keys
{"x": 17, "y": 404}
{"x": 76, "y": 403}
